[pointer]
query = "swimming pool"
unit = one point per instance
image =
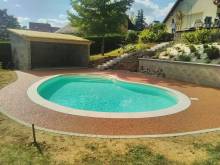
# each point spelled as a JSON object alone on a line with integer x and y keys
{"x": 106, "y": 96}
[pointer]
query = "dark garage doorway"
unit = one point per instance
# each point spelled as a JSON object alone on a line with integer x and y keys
{"x": 57, "y": 55}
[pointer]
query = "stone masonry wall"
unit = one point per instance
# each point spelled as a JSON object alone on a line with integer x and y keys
{"x": 21, "y": 55}
{"x": 202, "y": 74}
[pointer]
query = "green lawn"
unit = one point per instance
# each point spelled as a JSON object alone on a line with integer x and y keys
{"x": 4, "y": 42}
{"x": 16, "y": 146}
{"x": 121, "y": 51}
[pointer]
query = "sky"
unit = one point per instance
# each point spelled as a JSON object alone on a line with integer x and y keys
{"x": 55, "y": 11}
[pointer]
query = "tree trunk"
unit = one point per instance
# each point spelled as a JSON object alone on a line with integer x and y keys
{"x": 103, "y": 46}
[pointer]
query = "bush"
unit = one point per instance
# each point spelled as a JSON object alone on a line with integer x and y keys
{"x": 131, "y": 37}
{"x": 164, "y": 36}
{"x": 192, "y": 48}
{"x": 215, "y": 35}
{"x": 147, "y": 36}
{"x": 184, "y": 58}
{"x": 212, "y": 52}
{"x": 197, "y": 37}
{"x": 111, "y": 42}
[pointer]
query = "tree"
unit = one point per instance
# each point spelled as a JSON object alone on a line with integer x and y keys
{"x": 7, "y": 21}
{"x": 140, "y": 23}
{"x": 99, "y": 17}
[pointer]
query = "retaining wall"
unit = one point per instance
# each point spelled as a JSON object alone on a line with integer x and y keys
{"x": 202, "y": 74}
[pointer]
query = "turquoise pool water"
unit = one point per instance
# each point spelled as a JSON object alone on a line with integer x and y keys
{"x": 101, "y": 94}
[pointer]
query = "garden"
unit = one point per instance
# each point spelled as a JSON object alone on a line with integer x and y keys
{"x": 200, "y": 46}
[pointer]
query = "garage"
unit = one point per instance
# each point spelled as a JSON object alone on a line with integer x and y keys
{"x": 33, "y": 50}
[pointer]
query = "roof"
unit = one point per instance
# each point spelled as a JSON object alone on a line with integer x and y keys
{"x": 49, "y": 37}
{"x": 68, "y": 29}
{"x": 172, "y": 9}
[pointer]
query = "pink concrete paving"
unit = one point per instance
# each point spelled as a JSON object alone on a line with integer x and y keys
{"x": 202, "y": 114}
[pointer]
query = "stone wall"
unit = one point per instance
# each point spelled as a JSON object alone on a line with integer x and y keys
{"x": 21, "y": 53}
{"x": 202, "y": 74}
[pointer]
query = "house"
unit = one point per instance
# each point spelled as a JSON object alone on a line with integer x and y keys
{"x": 68, "y": 29}
{"x": 42, "y": 27}
{"x": 33, "y": 50}
{"x": 188, "y": 14}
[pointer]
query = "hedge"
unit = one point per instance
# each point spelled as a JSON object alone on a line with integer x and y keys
{"x": 5, "y": 54}
{"x": 111, "y": 42}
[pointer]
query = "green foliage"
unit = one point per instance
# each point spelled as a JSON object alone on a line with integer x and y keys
{"x": 147, "y": 36}
{"x": 134, "y": 155}
{"x": 7, "y": 21}
{"x": 192, "y": 48}
{"x": 184, "y": 58}
{"x": 99, "y": 17}
{"x": 139, "y": 22}
{"x": 198, "y": 37}
{"x": 213, "y": 155}
{"x": 212, "y": 52}
{"x": 135, "y": 47}
{"x": 158, "y": 27}
{"x": 205, "y": 46}
{"x": 111, "y": 42}
{"x": 131, "y": 37}
{"x": 21, "y": 154}
{"x": 156, "y": 33}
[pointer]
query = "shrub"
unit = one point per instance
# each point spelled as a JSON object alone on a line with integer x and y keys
{"x": 131, "y": 37}
{"x": 111, "y": 42}
{"x": 205, "y": 46}
{"x": 212, "y": 52}
{"x": 164, "y": 36}
{"x": 197, "y": 37}
{"x": 215, "y": 35}
{"x": 147, "y": 36}
{"x": 192, "y": 48}
{"x": 184, "y": 58}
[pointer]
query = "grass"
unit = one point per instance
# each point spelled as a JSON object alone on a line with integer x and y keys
{"x": 16, "y": 146}
{"x": 121, "y": 51}
{"x": 4, "y": 41}
{"x": 114, "y": 53}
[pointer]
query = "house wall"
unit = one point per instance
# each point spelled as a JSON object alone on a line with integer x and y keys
{"x": 202, "y": 74}
{"x": 20, "y": 49}
{"x": 45, "y": 55}
{"x": 192, "y": 10}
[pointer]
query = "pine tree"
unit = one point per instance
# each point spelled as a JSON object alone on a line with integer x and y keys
{"x": 140, "y": 23}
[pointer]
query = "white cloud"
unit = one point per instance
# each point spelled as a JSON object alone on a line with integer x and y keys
{"x": 5, "y": 0}
{"x": 53, "y": 21}
{"x": 152, "y": 10}
{"x": 17, "y": 5}
{"x": 62, "y": 16}
{"x": 23, "y": 20}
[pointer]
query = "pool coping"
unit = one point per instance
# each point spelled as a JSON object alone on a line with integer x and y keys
{"x": 182, "y": 105}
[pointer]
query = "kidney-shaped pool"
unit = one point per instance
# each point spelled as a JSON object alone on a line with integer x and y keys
{"x": 106, "y": 97}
